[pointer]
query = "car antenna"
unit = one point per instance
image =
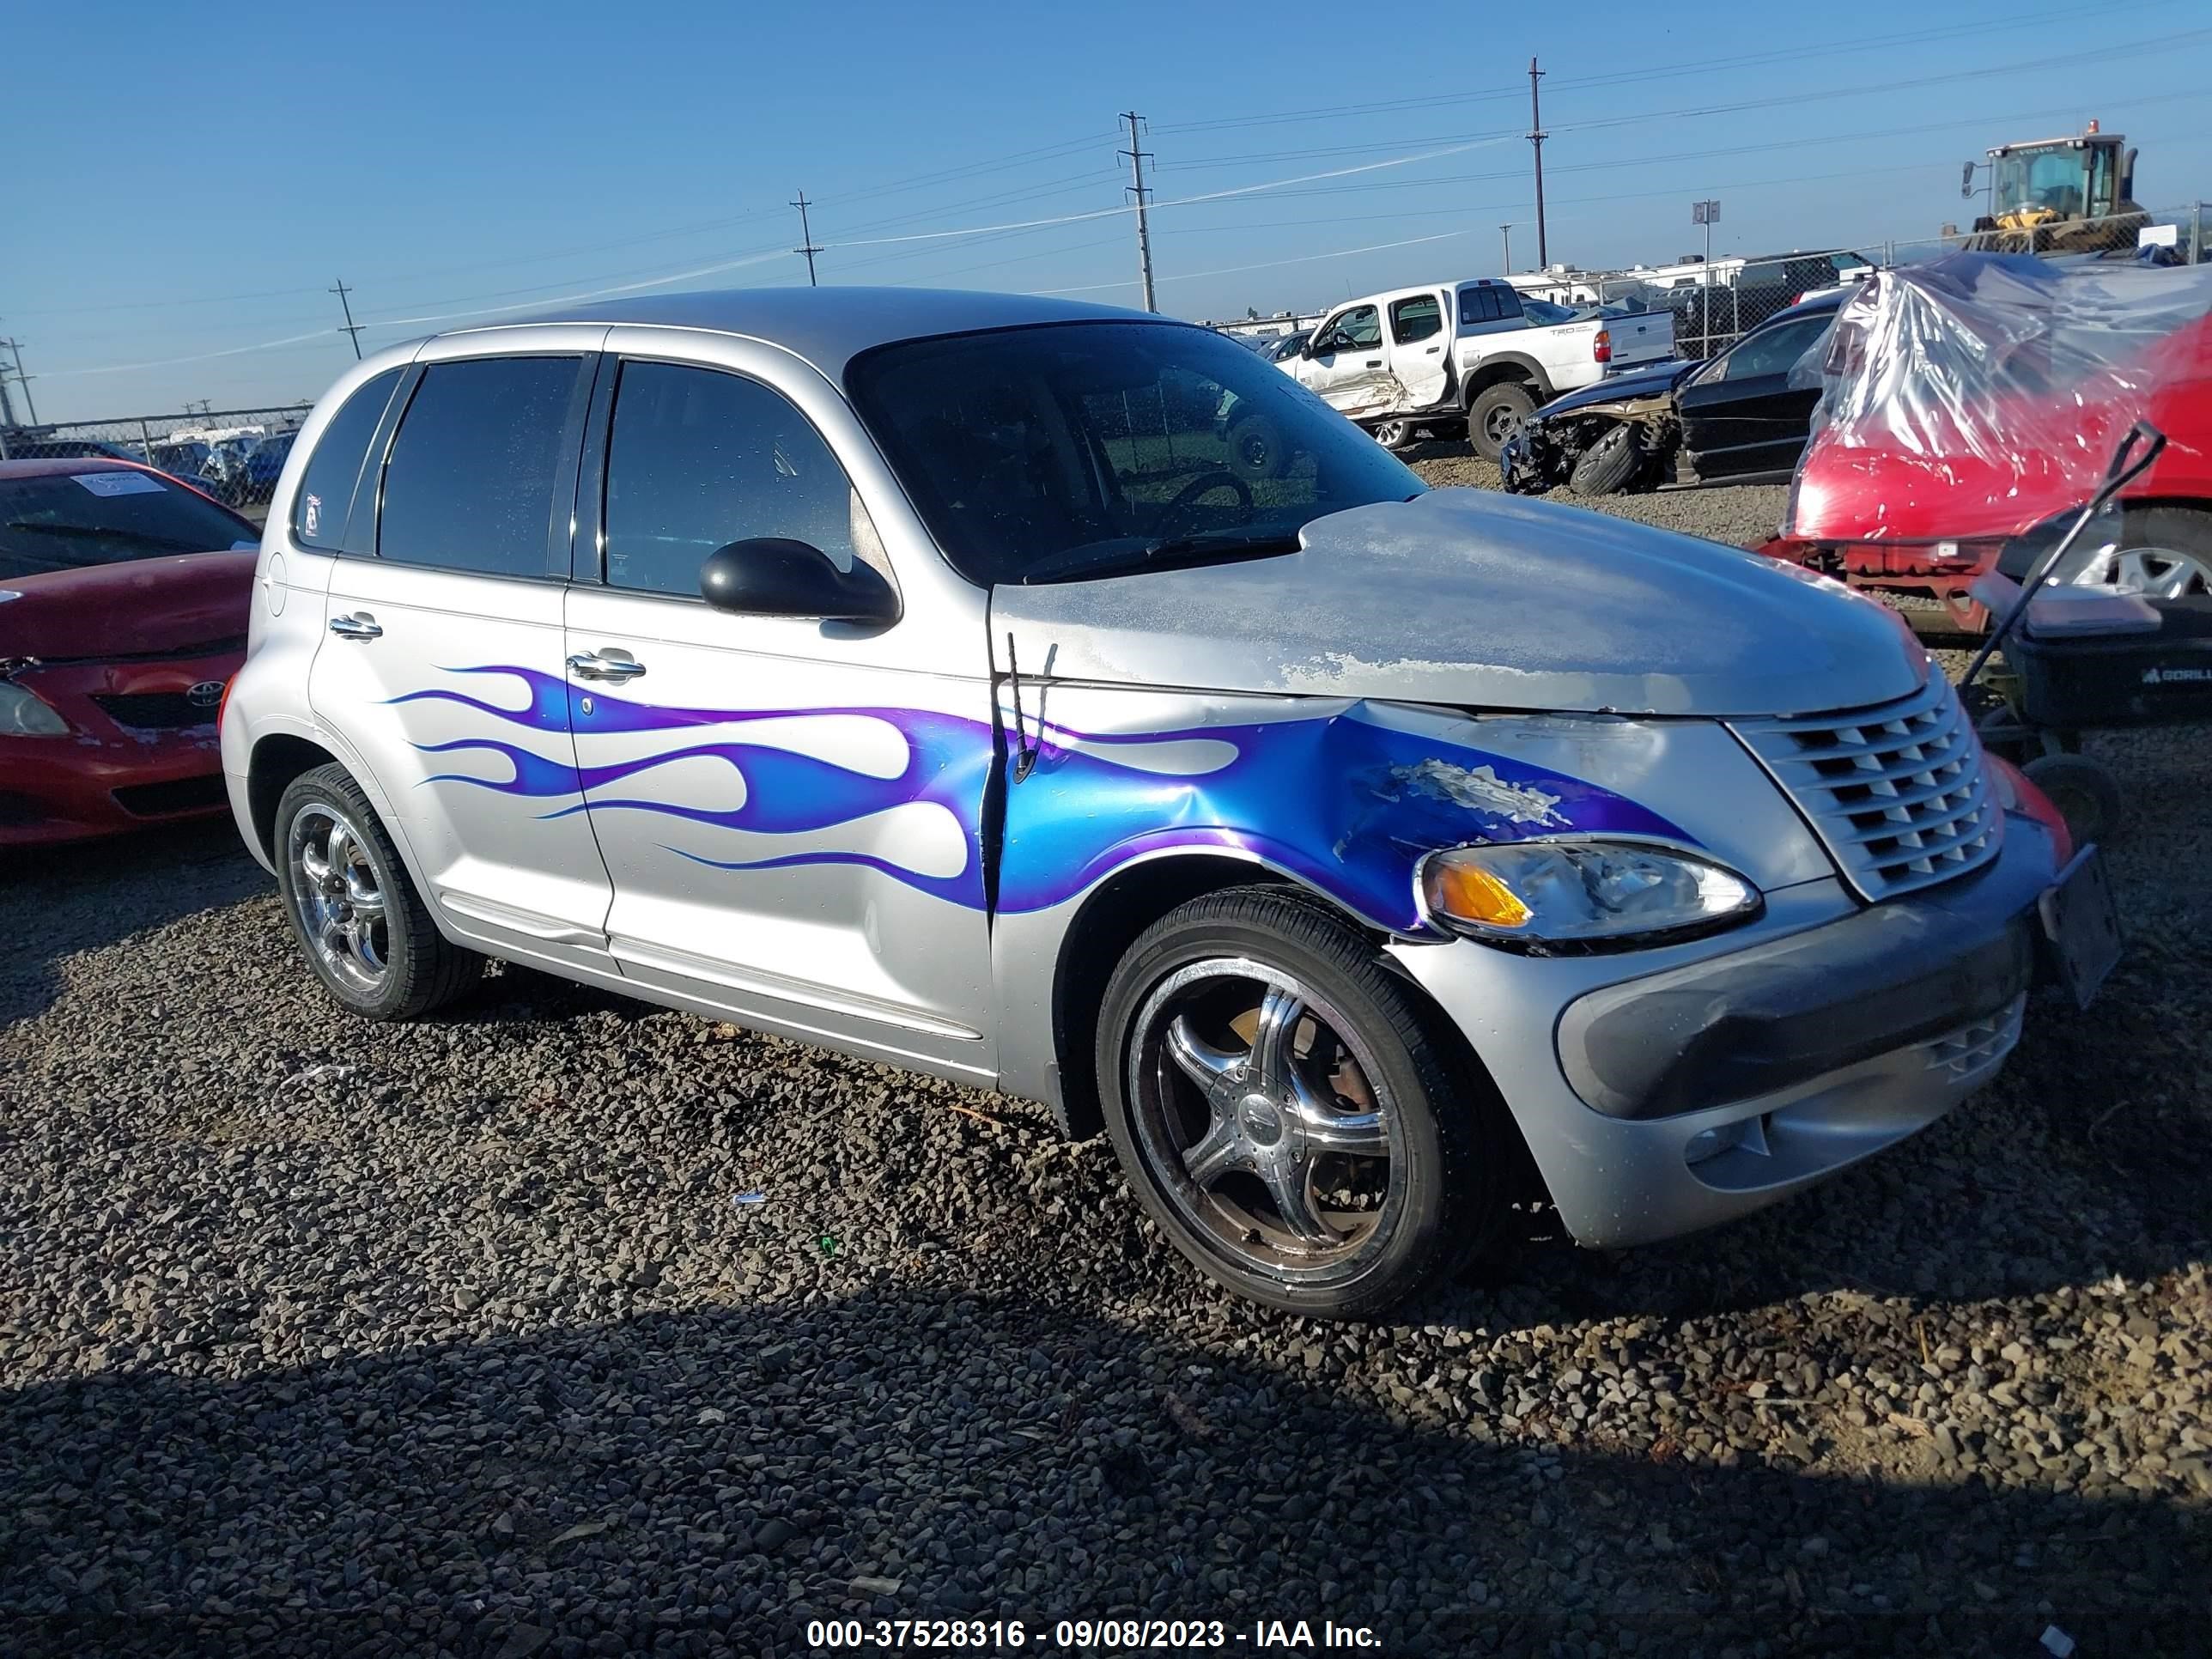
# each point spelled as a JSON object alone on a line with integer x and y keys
{"x": 1025, "y": 752}
{"x": 2125, "y": 468}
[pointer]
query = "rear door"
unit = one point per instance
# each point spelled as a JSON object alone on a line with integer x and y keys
{"x": 442, "y": 667}
{"x": 1350, "y": 369}
{"x": 1750, "y": 409}
{"x": 1419, "y": 332}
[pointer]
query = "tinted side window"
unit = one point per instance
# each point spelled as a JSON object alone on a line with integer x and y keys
{"x": 470, "y": 484}
{"x": 1478, "y": 305}
{"x": 699, "y": 458}
{"x": 1773, "y": 351}
{"x": 1416, "y": 319}
{"x": 318, "y": 512}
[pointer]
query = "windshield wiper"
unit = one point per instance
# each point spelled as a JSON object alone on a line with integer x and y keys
{"x": 109, "y": 534}
{"x": 1171, "y": 553}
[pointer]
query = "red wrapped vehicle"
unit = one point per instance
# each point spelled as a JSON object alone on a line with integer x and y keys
{"x": 1972, "y": 408}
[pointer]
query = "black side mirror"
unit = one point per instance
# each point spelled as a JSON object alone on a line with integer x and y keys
{"x": 771, "y": 577}
{"x": 1319, "y": 346}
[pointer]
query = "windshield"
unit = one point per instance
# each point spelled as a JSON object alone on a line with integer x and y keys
{"x": 60, "y": 521}
{"x": 1076, "y": 448}
{"x": 2048, "y": 178}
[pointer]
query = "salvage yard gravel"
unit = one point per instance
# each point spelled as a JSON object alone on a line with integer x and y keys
{"x": 564, "y": 1326}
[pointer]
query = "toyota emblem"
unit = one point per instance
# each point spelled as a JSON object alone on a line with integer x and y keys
{"x": 206, "y": 695}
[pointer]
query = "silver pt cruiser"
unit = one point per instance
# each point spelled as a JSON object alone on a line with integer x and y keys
{"x": 1064, "y": 701}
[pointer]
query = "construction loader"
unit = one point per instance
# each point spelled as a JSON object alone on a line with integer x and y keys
{"x": 2071, "y": 195}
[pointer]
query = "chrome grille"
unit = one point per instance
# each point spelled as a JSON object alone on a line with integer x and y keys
{"x": 1895, "y": 793}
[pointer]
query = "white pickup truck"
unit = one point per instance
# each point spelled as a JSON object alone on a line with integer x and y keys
{"x": 1469, "y": 356}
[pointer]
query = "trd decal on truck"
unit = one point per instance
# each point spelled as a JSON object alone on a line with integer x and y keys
{"x": 1342, "y": 801}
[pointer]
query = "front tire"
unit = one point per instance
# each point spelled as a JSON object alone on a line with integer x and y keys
{"x": 1496, "y": 415}
{"x": 1607, "y": 465}
{"x": 1394, "y": 435}
{"x": 355, "y": 910}
{"x": 1287, "y": 1111}
{"x": 2085, "y": 792}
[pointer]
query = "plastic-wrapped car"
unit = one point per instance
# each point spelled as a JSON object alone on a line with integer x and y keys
{"x": 1973, "y": 402}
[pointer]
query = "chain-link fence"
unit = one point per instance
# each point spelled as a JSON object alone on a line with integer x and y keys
{"x": 234, "y": 454}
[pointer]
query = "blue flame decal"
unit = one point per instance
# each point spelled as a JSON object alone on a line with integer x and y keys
{"x": 1343, "y": 802}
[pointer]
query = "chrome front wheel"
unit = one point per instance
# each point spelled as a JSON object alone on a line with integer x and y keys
{"x": 1291, "y": 1112}
{"x": 1260, "y": 1106}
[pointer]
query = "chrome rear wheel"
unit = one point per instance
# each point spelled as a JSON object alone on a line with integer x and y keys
{"x": 337, "y": 898}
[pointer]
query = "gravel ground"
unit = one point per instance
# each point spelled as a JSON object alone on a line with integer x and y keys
{"x": 318, "y": 1337}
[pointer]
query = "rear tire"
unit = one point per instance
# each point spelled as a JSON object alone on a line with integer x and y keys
{"x": 2167, "y": 549}
{"x": 1607, "y": 465}
{"x": 1290, "y": 1114}
{"x": 1395, "y": 436}
{"x": 355, "y": 910}
{"x": 2085, "y": 792}
{"x": 1496, "y": 414}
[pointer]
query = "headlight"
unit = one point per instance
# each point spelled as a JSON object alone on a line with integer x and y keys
{"x": 22, "y": 716}
{"x": 1576, "y": 892}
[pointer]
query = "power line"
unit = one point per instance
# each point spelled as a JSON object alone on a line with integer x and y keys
{"x": 352, "y": 330}
{"x": 1536, "y": 143}
{"x": 1624, "y": 78}
{"x": 15, "y": 349}
{"x": 1137, "y": 157}
{"x": 806, "y": 239}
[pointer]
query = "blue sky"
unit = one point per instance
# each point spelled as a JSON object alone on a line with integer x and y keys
{"x": 188, "y": 181}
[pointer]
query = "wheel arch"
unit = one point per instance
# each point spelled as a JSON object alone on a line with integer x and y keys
{"x": 1120, "y": 908}
{"x": 275, "y": 761}
{"x": 1504, "y": 367}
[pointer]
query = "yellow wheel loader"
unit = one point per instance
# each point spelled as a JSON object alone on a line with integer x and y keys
{"x": 2071, "y": 195}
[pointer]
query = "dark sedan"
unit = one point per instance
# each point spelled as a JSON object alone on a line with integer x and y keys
{"x": 1741, "y": 417}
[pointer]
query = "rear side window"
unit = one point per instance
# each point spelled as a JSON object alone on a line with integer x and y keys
{"x": 1416, "y": 319}
{"x": 470, "y": 483}
{"x": 1488, "y": 304}
{"x": 698, "y": 459}
{"x": 326, "y": 491}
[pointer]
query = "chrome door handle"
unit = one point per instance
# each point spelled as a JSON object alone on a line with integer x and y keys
{"x": 359, "y": 626}
{"x": 590, "y": 665}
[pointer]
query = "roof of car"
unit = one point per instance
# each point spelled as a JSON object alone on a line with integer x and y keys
{"x": 44, "y": 466}
{"x": 830, "y": 327}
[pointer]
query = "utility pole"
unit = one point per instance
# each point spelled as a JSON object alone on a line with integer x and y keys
{"x": 1507, "y": 231}
{"x": 807, "y": 238}
{"x": 21, "y": 379}
{"x": 1137, "y": 160}
{"x": 1536, "y": 142}
{"x": 352, "y": 330}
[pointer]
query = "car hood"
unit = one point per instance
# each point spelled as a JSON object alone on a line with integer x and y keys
{"x": 1636, "y": 383}
{"x": 1475, "y": 599}
{"x": 143, "y": 608}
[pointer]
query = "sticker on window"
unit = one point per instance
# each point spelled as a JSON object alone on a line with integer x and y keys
{"x": 315, "y": 519}
{"x": 118, "y": 484}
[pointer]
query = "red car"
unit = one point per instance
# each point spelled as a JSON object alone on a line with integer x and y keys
{"x": 1980, "y": 413}
{"x": 124, "y": 599}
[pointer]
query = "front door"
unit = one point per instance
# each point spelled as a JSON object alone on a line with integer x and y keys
{"x": 442, "y": 667}
{"x": 790, "y": 810}
{"x": 1750, "y": 409}
{"x": 1349, "y": 368}
{"x": 1419, "y": 342}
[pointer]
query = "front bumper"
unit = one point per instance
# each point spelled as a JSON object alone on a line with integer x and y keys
{"x": 1790, "y": 1051}
{"x": 104, "y": 777}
